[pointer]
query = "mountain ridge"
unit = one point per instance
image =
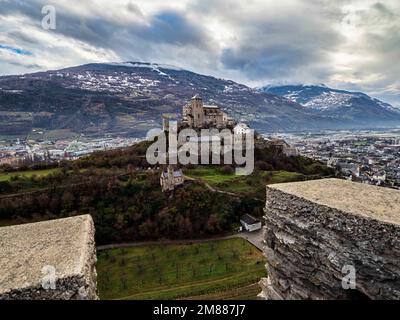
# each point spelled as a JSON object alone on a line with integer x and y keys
{"x": 129, "y": 98}
{"x": 322, "y": 97}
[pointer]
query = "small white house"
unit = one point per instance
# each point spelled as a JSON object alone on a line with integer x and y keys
{"x": 241, "y": 128}
{"x": 250, "y": 223}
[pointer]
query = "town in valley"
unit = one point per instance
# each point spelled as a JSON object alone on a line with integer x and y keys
{"x": 367, "y": 156}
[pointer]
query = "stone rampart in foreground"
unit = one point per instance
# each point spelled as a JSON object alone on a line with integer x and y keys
{"x": 316, "y": 230}
{"x": 49, "y": 260}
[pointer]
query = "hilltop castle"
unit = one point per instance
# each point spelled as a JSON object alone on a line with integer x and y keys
{"x": 197, "y": 115}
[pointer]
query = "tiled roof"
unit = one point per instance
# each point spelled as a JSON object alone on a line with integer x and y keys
{"x": 176, "y": 174}
{"x": 249, "y": 219}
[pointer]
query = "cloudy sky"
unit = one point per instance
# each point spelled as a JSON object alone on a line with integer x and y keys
{"x": 349, "y": 44}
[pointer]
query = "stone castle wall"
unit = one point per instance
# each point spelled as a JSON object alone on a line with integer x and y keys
{"x": 49, "y": 260}
{"x": 312, "y": 230}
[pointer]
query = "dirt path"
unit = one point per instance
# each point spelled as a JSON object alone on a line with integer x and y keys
{"x": 158, "y": 242}
{"x": 255, "y": 238}
{"x": 212, "y": 189}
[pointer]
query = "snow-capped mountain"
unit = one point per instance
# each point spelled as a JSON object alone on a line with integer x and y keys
{"x": 335, "y": 102}
{"x": 129, "y": 98}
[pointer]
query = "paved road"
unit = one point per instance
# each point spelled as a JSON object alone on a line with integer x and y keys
{"x": 255, "y": 238}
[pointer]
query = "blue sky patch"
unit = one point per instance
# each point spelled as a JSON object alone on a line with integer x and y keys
{"x": 21, "y": 52}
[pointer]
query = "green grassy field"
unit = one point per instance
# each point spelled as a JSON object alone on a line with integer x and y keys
{"x": 6, "y": 176}
{"x": 252, "y": 185}
{"x": 212, "y": 269}
{"x": 210, "y": 174}
{"x": 249, "y": 292}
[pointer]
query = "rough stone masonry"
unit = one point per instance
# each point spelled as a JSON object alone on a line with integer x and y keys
{"x": 315, "y": 228}
{"x": 49, "y": 260}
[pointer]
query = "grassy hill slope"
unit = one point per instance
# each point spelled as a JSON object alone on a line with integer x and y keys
{"x": 123, "y": 195}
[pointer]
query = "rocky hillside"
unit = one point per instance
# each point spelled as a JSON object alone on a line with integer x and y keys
{"x": 129, "y": 98}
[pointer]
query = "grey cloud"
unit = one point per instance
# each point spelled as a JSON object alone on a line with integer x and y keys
{"x": 164, "y": 27}
{"x": 281, "y": 46}
{"x": 21, "y": 37}
{"x": 381, "y": 43}
{"x": 383, "y": 10}
{"x": 135, "y": 9}
{"x": 173, "y": 28}
{"x": 26, "y": 65}
{"x": 28, "y": 8}
{"x": 269, "y": 41}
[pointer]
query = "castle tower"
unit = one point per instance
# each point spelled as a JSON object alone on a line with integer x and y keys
{"x": 170, "y": 171}
{"x": 165, "y": 121}
{"x": 169, "y": 121}
{"x": 197, "y": 111}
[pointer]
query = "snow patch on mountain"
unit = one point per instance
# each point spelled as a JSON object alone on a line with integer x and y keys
{"x": 327, "y": 100}
{"x": 323, "y": 98}
{"x": 145, "y": 65}
{"x": 116, "y": 83}
{"x": 387, "y": 105}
